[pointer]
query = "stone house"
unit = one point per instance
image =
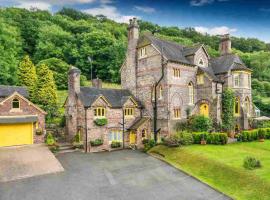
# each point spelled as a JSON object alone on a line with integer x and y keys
{"x": 163, "y": 82}
{"x": 19, "y": 117}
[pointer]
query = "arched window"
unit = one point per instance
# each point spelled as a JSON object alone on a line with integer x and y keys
{"x": 160, "y": 92}
{"x": 247, "y": 105}
{"x": 237, "y": 106}
{"x": 16, "y": 104}
{"x": 201, "y": 63}
{"x": 191, "y": 93}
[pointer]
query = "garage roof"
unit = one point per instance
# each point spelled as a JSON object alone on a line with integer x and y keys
{"x": 18, "y": 119}
{"x": 6, "y": 90}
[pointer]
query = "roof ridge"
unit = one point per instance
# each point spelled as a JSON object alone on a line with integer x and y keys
{"x": 104, "y": 88}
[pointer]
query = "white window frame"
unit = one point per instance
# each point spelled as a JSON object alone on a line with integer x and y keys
{"x": 236, "y": 77}
{"x": 191, "y": 93}
{"x": 142, "y": 52}
{"x": 115, "y": 135}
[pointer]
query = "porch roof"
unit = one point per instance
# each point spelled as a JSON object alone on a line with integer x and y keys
{"x": 138, "y": 123}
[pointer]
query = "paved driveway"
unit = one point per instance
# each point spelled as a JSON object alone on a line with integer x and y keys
{"x": 26, "y": 161}
{"x": 121, "y": 175}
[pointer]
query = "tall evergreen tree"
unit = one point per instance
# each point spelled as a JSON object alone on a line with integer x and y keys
{"x": 27, "y": 76}
{"x": 46, "y": 90}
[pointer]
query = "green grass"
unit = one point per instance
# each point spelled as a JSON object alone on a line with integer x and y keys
{"x": 222, "y": 167}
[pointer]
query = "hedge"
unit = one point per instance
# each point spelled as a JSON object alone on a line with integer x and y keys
{"x": 211, "y": 138}
{"x": 252, "y": 135}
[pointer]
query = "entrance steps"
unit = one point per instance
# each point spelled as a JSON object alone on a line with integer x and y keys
{"x": 66, "y": 148}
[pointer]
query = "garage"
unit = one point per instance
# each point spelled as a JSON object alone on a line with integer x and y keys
{"x": 16, "y": 130}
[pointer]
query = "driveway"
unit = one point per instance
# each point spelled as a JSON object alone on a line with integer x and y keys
{"x": 120, "y": 175}
{"x": 26, "y": 161}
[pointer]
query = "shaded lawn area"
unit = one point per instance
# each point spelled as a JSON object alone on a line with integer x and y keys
{"x": 222, "y": 167}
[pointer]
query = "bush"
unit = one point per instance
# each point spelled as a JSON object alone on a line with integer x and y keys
{"x": 211, "y": 138}
{"x": 149, "y": 145}
{"x": 54, "y": 148}
{"x": 185, "y": 138}
{"x": 101, "y": 121}
{"x": 144, "y": 141}
{"x": 200, "y": 123}
{"x": 261, "y": 133}
{"x": 172, "y": 141}
{"x": 96, "y": 142}
{"x": 50, "y": 139}
{"x": 115, "y": 144}
{"x": 251, "y": 163}
{"x": 39, "y": 131}
{"x": 248, "y": 136}
{"x": 181, "y": 126}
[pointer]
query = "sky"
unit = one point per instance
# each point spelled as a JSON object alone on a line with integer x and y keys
{"x": 242, "y": 18}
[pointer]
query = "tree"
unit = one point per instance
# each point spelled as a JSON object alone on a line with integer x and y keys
{"x": 59, "y": 69}
{"x": 228, "y": 110}
{"x": 27, "y": 75}
{"x": 46, "y": 91}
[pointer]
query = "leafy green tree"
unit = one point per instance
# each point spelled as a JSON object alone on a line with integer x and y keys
{"x": 228, "y": 110}
{"x": 59, "y": 69}
{"x": 27, "y": 75}
{"x": 46, "y": 91}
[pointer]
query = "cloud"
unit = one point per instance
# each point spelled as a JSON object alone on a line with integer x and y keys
{"x": 204, "y": 2}
{"x": 145, "y": 9}
{"x": 38, "y": 5}
{"x": 221, "y": 30}
{"x": 109, "y": 11}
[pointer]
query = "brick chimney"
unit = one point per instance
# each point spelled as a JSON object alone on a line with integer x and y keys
{"x": 128, "y": 74}
{"x": 97, "y": 83}
{"x": 225, "y": 45}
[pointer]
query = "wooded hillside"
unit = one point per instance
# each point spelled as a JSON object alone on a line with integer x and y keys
{"x": 69, "y": 37}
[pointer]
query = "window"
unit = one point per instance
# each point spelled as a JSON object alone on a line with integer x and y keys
{"x": 143, "y": 134}
{"x": 116, "y": 135}
{"x": 237, "y": 106}
{"x": 142, "y": 52}
{"x": 200, "y": 79}
{"x": 160, "y": 92}
{"x": 177, "y": 113}
{"x": 99, "y": 112}
{"x": 191, "y": 93}
{"x": 176, "y": 73}
{"x": 247, "y": 106}
{"x": 129, "y": 112}
{"x": 16, "y": 104}
{"x": 236, "y": 78}
{"x": 201, "y": 63}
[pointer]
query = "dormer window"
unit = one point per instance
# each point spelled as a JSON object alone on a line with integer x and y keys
{"x": 142, "y": 52}
{"x": 15, "y": 104}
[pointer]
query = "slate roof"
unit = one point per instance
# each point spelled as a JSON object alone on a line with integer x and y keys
{"x": 210, "y": 72}
{"x": 191, "y": 50}
{"x": 226, "y": 63}
{"x": 6, "y": 91}
{"x": 17, "y": 119}
{"x": 116, "y": 97}
{"x": 138, "y": 122}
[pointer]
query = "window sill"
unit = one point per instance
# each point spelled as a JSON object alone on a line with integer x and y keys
{"x": 142, "y": 57}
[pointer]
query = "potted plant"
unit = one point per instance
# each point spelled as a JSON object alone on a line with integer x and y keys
{"x": 96, "y": 142}
{"x": 101, "y": 121}
{"x": 39, "y": 131}
{"x": 203, "y": 140}
{"x": 261, "y": 135}
{"x": 115, "y": 144}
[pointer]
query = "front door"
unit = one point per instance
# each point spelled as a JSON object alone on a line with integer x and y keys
{"x": 204, "y": 110}
{"x": 132, "y": 137}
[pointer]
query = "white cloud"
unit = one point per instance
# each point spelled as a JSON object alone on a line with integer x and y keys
{"x": 204, "y": 2}
{"x": 38, "y": 5}
{"x": 109, "y": 11}
{"x": 145, "y": 9}
{"x": 221, "y": 30}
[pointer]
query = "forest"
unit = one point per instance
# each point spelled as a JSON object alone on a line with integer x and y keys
{"x": 70, "y": 37}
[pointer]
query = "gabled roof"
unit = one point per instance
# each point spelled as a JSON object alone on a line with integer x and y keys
{"x": 138, "y": 122}
{"x": 209, "y": 72}
{"x": 115, "y": 97}
{"x": 171, "y": 50}
{"x": 226, "y": 63}
{"x": 6, "y": 90}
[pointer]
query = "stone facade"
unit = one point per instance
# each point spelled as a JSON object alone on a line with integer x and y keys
{"x": 27, "y": 108}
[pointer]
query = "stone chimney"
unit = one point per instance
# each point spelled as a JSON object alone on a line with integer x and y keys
{"x": 71, "y": 107}
{"x": 128, "y": 73}
{"x": 225, "y": 45}
{"x": 97, "y": 83}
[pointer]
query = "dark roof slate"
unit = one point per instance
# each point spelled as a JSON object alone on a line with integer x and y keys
{"x": 6, "y": 91}
{"x": 116, "y": 97}
{"x": 226, "y": 63}
{"x": 209, "y": 71}
{"x": 17, "y": 119}
{"x": 138, "y": 122}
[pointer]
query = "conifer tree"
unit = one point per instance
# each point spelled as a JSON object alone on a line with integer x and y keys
{"x": 27, "y": 75}
{"x": 46, "y": 90}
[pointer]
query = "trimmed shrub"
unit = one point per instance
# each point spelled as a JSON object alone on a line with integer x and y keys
{"x": 50, "y": 139}
{"x": 251, "y": 163}
{"x": 115, "y": 144}
{"x": 248, "y": 136}
{"x": 211, "y": 138}
{"x": 261, "y": 133}
{"x": 149, "y": 145}
{"x": 101, "y": 121}
{"x": 199, "y": 123}
{"x": 96, "y": 142}
{"x": 185, "y": 138}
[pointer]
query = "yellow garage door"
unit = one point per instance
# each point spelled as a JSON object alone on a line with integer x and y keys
{"x": 16, "y": 134}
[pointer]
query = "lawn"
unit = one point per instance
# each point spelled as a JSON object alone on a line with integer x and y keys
{"x": 222, "y": 167}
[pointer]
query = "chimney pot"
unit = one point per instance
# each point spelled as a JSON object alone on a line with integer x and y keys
{"x": 97, "y": 83}
{"x": 225, "y": 45}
